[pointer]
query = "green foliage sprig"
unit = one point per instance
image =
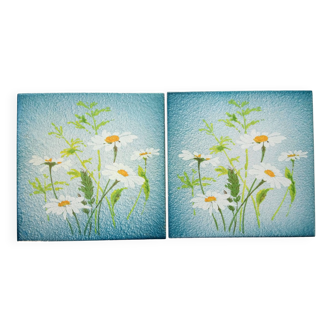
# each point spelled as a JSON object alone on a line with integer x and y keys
{"x": 87, "y": 189}
{"x": 233, "y": 184}
{"x": 191, "y": 183}
{"x": 233, "y": 121}
{"x": 82, "y": 120}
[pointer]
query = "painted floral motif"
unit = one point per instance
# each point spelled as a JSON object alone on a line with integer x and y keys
{"x": 269, "y": 174}
{"x": 243, "y": 184}
{"x": 92, "y": 188}
{"x": 257, "y": 140}
{"x": 287, "y": 156}
{"x": 142, "y": 154}
{"x": 64, "y": 205}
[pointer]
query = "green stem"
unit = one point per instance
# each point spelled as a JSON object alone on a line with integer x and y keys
{"x": 135, "y": 203}
{"x": 215, "y": 221}
{"x": 78, "y": 223}
{"x": 101, "y": 199}
{"x": 222, "y": 217}
{"x": 280, "y": 204}
{"x": 293, "y": 164}
{"x": 90, "y": 174}
{"x": 71, "y": 228}
{"x": 192, "y": 195}
{"x": 115, "y": 149}
{"x": 50, "y": 168}
{"x": 199, "y": 176}
{"x": 249, "y": 194}
{"x": 97, "y": 195}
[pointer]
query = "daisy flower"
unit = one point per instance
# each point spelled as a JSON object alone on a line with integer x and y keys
{"x": 109, "y": 141}
{"x": 142, "y": 154}
{"x": 211, "y": 201}
{"x": 257, "y": 140}
{"x": 204, "y": 159}
{"x": 64, "y": 205}
{"x": 56, "y": 164}
{"x": 123, "y": 174}
{"x": 270, "y": 174}
{"x": 292, "y": 155}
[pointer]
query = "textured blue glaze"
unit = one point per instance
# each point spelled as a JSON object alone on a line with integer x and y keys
{"x": 288, "y": 112}
{"x": 140, "y": 114}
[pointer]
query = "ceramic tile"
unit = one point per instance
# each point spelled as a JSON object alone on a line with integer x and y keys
{"x": 241, "y": 164}
{"x": 91, "y": 167}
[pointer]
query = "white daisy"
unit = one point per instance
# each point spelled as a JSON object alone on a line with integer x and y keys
{"x": 123, "y": 174}
{"x": 292, "y": 155}
{"x": 257, "y": 140}
{"x": 64, "y": 205}
{"x": 270, "y": 174}
{"x": 109, "y": 141}
{"x": 211, "y": 201}
{"x": 204, "y": 159}
{"x": 142, "y": 154}
{"x": 47, "y": 161}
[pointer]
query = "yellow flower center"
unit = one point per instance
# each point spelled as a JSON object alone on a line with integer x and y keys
{"x": 122, "y": 172}
{"x": 261, "y": 139}
{"x": 64, "y": 203}
{"x": 59, "y": 162}
{"x": 112, "y": 139}
{"x": 210, "y": 199}
{"x": 48, "y": 160}
{"x": 269, "y": 173}
{"x": 198, "y": 155}
{"x": 207, "y": 158}
{"x": 291, "y": 155}
{"x": 144, "y": 153}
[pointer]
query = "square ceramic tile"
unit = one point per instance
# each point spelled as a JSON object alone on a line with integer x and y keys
{"x": 241, "y": 164}
{"x": 91, "y": 167}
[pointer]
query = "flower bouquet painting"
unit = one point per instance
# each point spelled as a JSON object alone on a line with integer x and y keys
{"x": 241, "y": 164}
{"x": 91, "y": 166}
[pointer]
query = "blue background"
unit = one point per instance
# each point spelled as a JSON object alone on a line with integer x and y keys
{"x": 140, "y": 114}
{"x": 289, "y": 113}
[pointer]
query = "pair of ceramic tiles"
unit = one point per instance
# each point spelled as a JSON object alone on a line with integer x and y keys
{"x": 92, "y": 166}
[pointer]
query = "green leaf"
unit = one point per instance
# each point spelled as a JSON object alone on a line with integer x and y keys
{"x": 221, "y": 170}
{"x": 251, "y": 123}
{"x": 80, "y": 103}
{"x": 86, "y": 186}
{"x": 204, "y": 178}
{"x": 261, "y": 196}
{"x": 146, "y": 188}
{"x": 58, "y": 131}
{"x": 103, "y": 123}
{"x": 87, "y": 211}
{"x": 183, "y": 186}
{"x": 74, "y": 147}
{"x": 233, "y": 102}
{"x": 56, "y": 183}
{"x": 244, "y": 103}
{"x": 115, "y": 196}
{"x": 218, "y": 148}
{"x": 86, "y": 161}
{"x": 97, "y": 112}
{"x": 93, "y": 104}
{"x": 235, "y": 159}
{"x": 292, "y": 188}
{"x": 74, "y": 174}
{"x": 249, "y": 110}
{"x": 233, "y": 183}
{"x": 141, "y": 172}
